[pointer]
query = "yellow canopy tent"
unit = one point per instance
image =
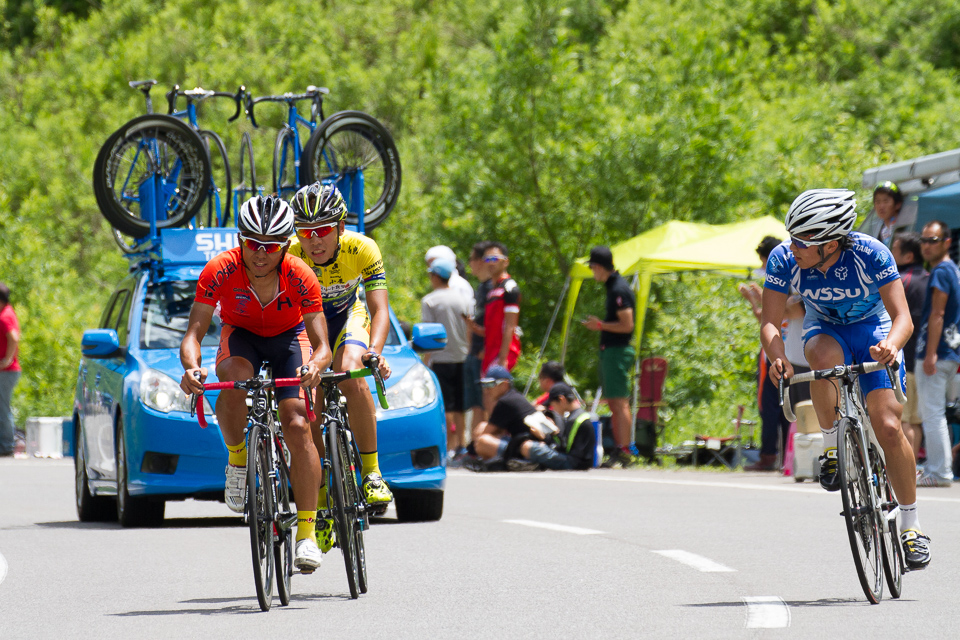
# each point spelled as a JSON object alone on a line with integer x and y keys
{"x": 678, "y": 246}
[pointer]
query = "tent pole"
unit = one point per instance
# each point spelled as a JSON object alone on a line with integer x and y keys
{"x": 543, "y": 347}
{"x": 636, "y": 365}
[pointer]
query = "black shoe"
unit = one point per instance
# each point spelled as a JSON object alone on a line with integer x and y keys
{"x": 829, "y": 476}
{"x": 916, "y": 549}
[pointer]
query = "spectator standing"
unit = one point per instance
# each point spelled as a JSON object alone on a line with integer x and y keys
{"x": 473, "y": 393}
{"x": 937, "y": 343}
{"x": 501, "y": 312}
{"x": 451, "y": 309}
{"x": 887, "y": 202}
{"x": 616, "y": 353}
{"x": 9, "y": 368}
{"x": 905, "y": 248}
{"x": 457, "y": 282}
{"x": 576, "y": 441}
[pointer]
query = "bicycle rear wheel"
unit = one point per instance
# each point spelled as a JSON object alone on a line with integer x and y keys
{"x": 155, "y": 149}
{"x": 260, "y": 514}
{"x": 283, "y": 548}
{"x": 248, "y": 173}
{"x": 341, "y": 514}
{"x": 862, "y": 526}
{"x": 890, "y": 540}
{"x": 221, "y": 187}
{"x": 352, "y": 146}
{"x": 285, "y": 178}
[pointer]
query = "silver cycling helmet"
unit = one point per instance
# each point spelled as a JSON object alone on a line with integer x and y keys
{"x": 319, "y": 203}
{"x": 266, "y": 216}
{"x": 823, "y": 214}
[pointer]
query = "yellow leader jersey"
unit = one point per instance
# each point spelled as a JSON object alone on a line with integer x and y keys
{"x": 359, "y": 261}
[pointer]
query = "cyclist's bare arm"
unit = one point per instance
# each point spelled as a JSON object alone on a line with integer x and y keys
{"x": 200, "y": 317}
{"x": 895, "y": 302}
{"x": 316, "y": 326}
{"x": 771, "y": 318}
{"x": 379, "y": 303}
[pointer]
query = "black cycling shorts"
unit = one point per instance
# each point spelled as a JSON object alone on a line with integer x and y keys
{"x": 285, "y": 353}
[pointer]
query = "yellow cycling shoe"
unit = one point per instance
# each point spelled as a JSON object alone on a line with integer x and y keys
{"x": 376, "y": 493}
{"x": 326, "y": 534}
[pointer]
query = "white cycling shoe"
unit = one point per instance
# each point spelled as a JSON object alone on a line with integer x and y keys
{"x": 307, "y": 557}
{"x": 234, "y": 492}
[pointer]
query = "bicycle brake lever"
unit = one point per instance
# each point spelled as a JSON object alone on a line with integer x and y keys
{"x": 311, "y": 416}
{"x": 172, "y": 98}
{"x": 238, "y": 98}
{"x": 248, "y": 109}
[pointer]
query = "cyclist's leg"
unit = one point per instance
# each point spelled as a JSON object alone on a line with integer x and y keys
{"x": 236, "y": 360}
{"x": 885, "y": 411}
{"x": 823, "y": 351}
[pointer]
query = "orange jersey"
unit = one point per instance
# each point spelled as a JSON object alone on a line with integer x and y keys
{"x": 224, "y": 281}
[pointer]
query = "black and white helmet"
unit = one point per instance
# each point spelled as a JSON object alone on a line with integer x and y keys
{"x": 319, "y": 203}
{"x": 823, "y": 214}
{"x": 266, "y": 216}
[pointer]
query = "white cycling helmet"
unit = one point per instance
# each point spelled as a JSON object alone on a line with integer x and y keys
{"x": 266, "y": 216}
{"x": 824, "y": 214}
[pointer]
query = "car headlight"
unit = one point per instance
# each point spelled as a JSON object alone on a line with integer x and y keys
{"x": 416, "y": 389}
{"x": 161, "y": 392}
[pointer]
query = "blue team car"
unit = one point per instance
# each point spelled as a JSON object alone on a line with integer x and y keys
{"x": 137, "y": 445}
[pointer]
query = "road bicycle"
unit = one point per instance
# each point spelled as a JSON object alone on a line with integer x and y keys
{"x": 152, "y": 173}
{"x": 350, "y": 149}
{"x": 870, "y": 509}
{"x": 341, "y": 466}
{"x": 267, "y": 508}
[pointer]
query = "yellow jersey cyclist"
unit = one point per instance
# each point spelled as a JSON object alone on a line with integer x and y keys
{"x": 270, "y": 306}
{"x": 856, "y": 312}
{"x": 343, "y": 261}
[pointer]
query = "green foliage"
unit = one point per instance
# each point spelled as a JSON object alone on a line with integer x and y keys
{"x": 551, "y": 125}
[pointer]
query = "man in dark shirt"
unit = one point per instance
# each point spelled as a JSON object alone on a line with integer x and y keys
{"x": 906, "y": 252}
{"x": 472, "y": 394}
{"x": 616, "y": 354}
{"x": 574, "y": 445}
{"x": 510, "y": 408}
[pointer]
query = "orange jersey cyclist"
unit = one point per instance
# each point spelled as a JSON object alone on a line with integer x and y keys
{"x": 343, "y": 261}
{"x": 271, "y": 307}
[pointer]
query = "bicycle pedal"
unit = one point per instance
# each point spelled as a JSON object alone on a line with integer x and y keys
{"x": 305, "y": 572}
{"x": 377, "y": 510}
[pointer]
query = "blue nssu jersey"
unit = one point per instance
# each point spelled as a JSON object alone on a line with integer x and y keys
{"x": 848, "y": 292}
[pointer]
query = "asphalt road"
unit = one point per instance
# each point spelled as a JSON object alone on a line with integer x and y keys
{"x": 611, "y": 554}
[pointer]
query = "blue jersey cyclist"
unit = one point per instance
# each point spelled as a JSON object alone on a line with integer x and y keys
{"x": 343, "y": 261}
{"x": 856, "y": 311}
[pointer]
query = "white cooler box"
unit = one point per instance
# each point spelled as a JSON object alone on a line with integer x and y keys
{"x": 807, "y": 448}
{"x": 44, "y": 437}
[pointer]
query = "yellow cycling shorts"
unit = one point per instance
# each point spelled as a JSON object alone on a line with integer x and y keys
{"x": 350, "y": 327}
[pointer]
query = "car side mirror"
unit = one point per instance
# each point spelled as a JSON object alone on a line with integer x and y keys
{"x": 100, "y": 343}
{"x": 429, "y": 336}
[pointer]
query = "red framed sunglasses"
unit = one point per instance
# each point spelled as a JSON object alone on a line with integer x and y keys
{"x": 316, "y": 232}
{"x": 258, "y": 245}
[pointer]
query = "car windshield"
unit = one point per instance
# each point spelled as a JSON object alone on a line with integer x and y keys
{"x": 167, "y": 309}
{"x": 165, "y": 314}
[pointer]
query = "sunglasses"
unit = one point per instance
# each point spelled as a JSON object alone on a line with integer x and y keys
{"x": 258, "y": 245}
{"x": 494, "y": 258}
{"x": 803, "y": 244}
{"x": 933, "y": 240}
{"x": 316, "y": 232}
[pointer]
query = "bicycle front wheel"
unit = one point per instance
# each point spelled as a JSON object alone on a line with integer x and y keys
{"x": 153, "y": 165}
{"x": 286, "y": 181}
{"x": 218, "y": 203}
{"x": 346, "y": 533}
{"x": 356, "y": 505}
{"x": 283, "y": 549}
{"x": 890, "y": 539}
{"x": 260, "y": 514}
{"x": 862, "y": 526}
{"x": 248, "y": 173}
{"x": 356, "y": 152}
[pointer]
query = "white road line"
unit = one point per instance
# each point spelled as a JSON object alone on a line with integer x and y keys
{"x": 579, "y": 477}
{"x": 693, "y": 560}
{"x": 555, "y": 527}
{"x": 3, "y": 568}
{"x": 766, "y": 612}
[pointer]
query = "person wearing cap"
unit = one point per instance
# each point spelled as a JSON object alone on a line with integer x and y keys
{"x": 457, "y": 282}
{"x": 449, "y": 308}
{"x": 616, "y": 353}
{"x": 573, "y": 446}
{"x": 507, "y": 419}
{"x": 473, "y": 365}
{"x": 887, "y": 202}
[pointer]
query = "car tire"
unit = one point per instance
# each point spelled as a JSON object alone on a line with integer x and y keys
{"x": 418, "y": 505}
{"x": 90, "y": 508}
{"x": 133, "y": 511}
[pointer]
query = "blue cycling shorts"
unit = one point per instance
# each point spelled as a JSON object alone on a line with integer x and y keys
{"x": 855, "y": 340}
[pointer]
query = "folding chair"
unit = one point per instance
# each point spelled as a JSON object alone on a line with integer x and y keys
{"x": 653, "y": 373}
{"x": 727, "y": 451}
